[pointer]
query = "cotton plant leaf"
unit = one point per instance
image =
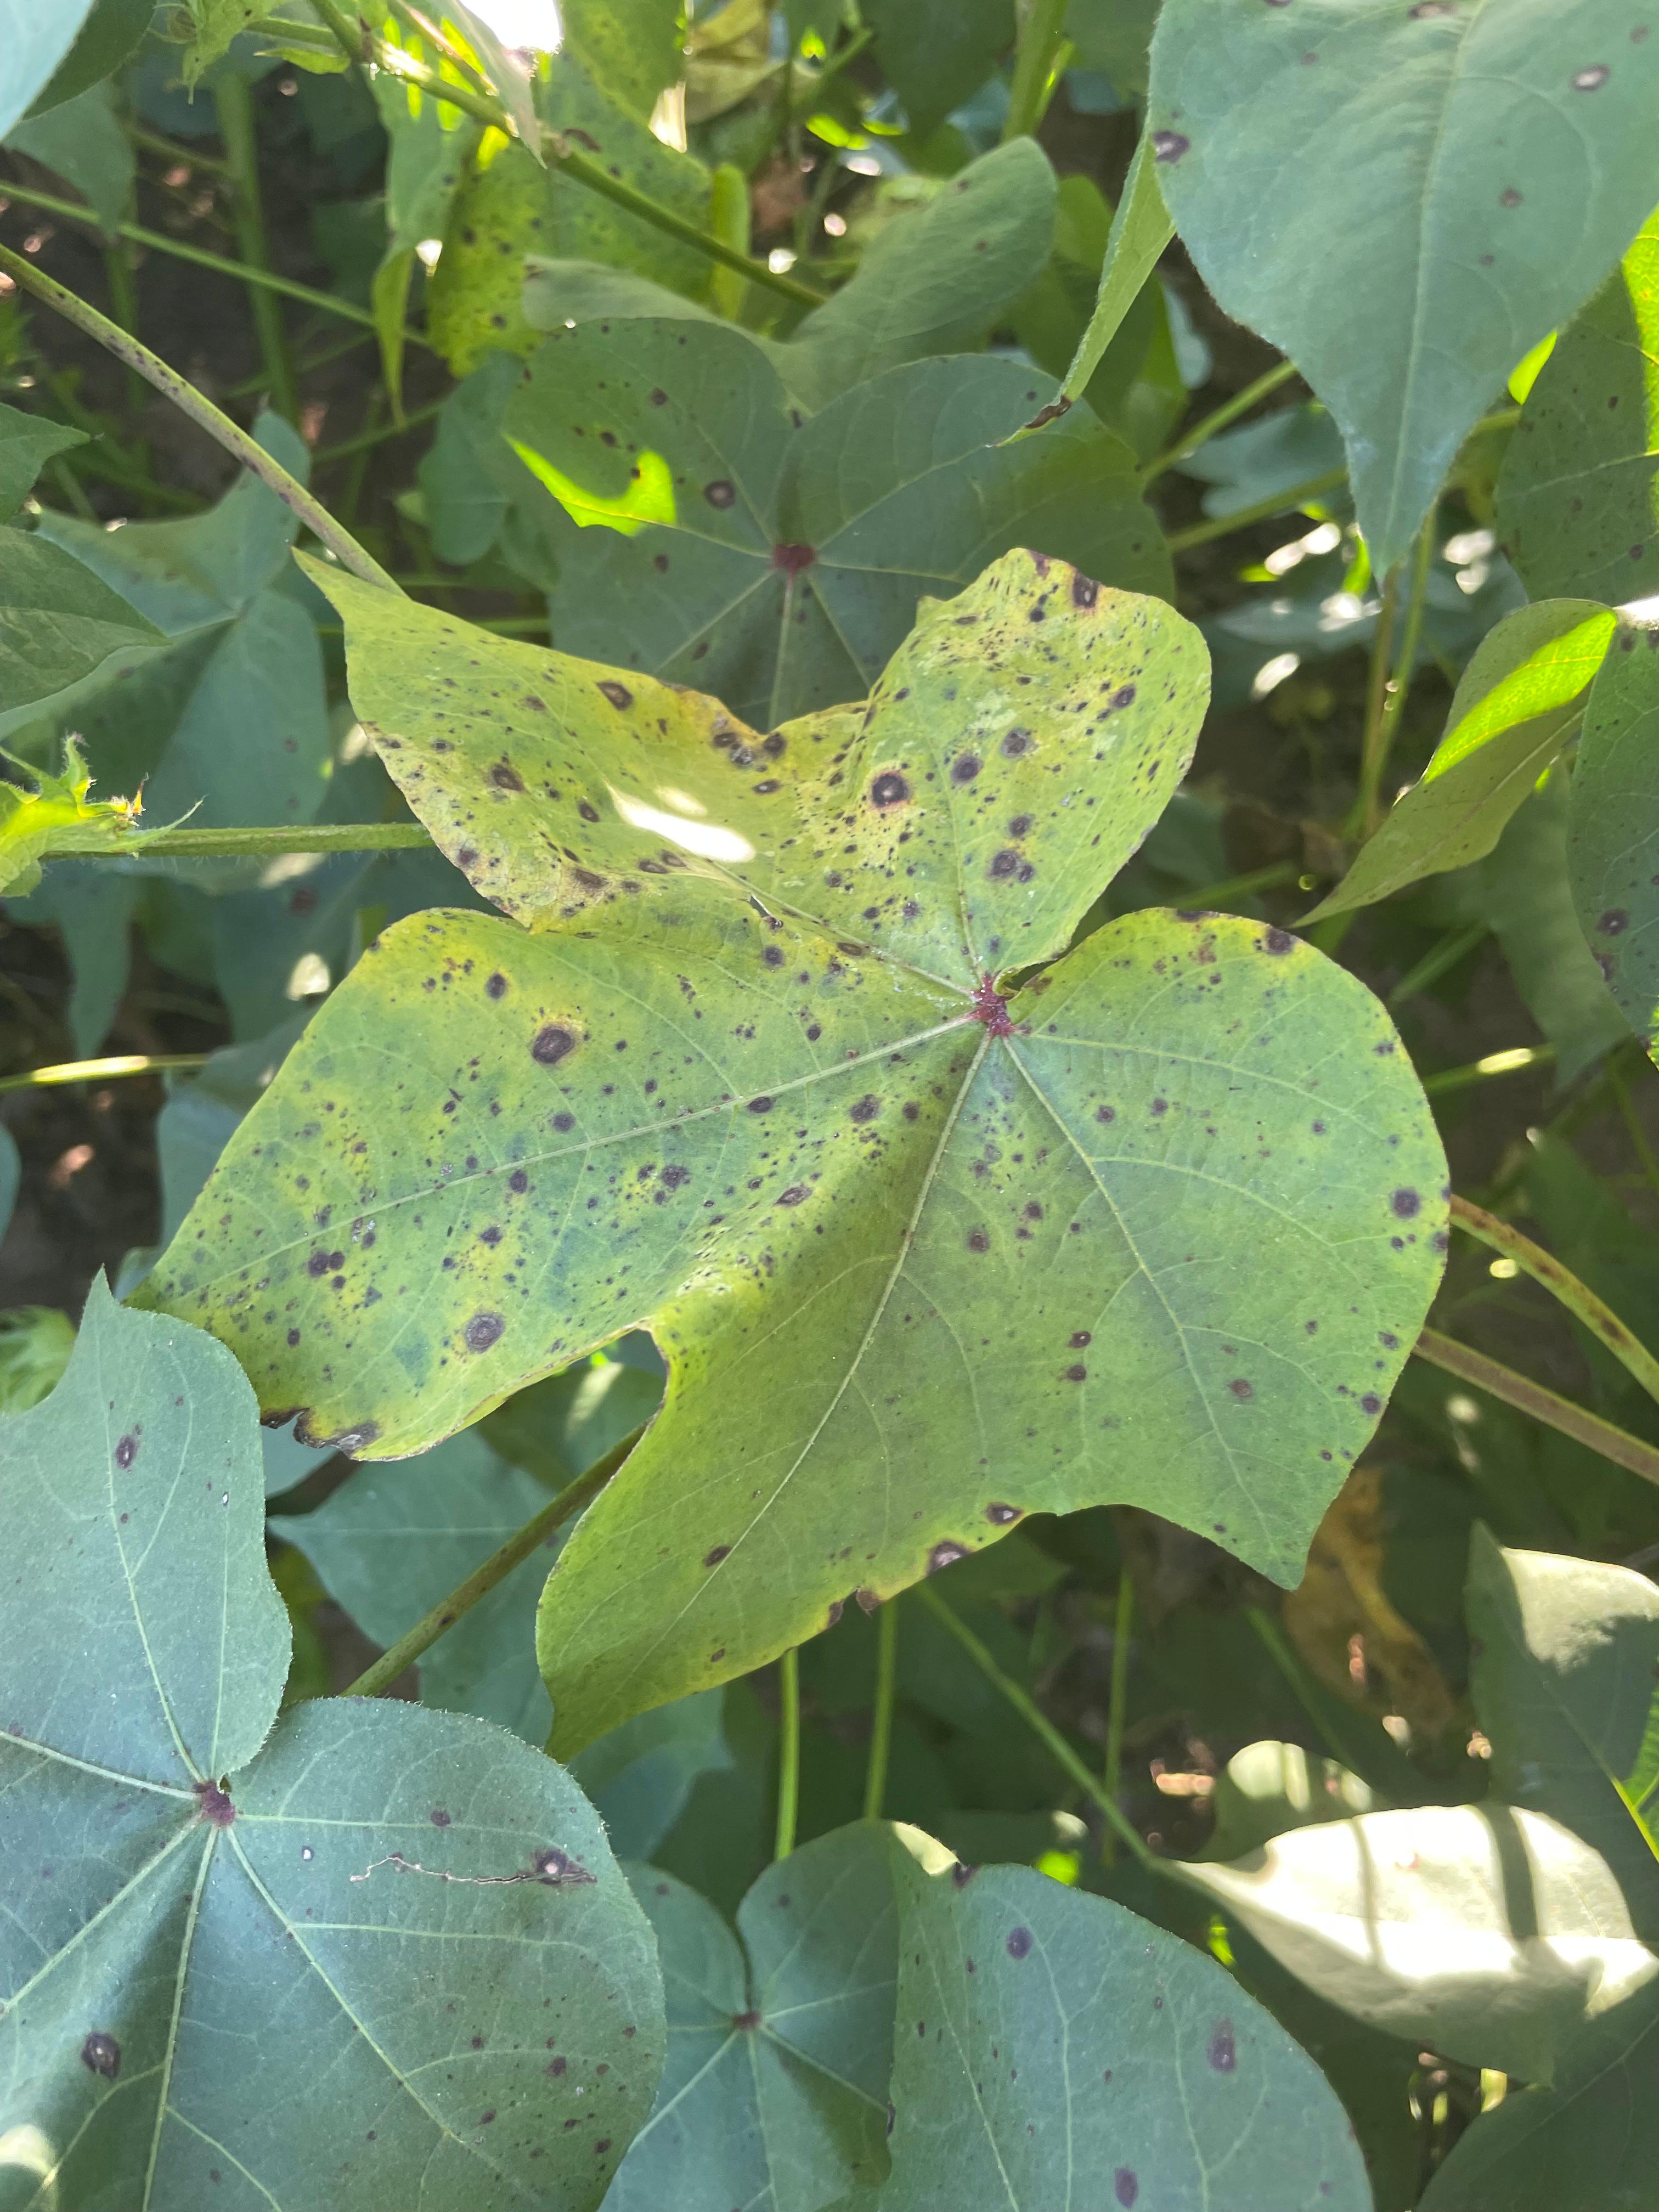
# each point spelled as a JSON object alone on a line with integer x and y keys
{"x": 780, "y": 2035}
{"x": 241, "y": 656}
{"x": 639, "y": 1778}
{"x": 1576, "y": 497}
{"x": 631, "y": 48}
{"x": 1613, "y": 850}
{"x": 428, "y": 146}
{"x": 1516, "y": 705}
{"x": 1043, "y": 2036}
{"x": 34, "y": 41}
{"x": 83, "y": 142}
{"x": 27, "y": 442}
{"x": 53, "y": 814}
{"x": 936, "y": 54}
{"x": 1141, "y": 229}
{"x": 1269, "y": 1788}
{"x": 1508, "y": 161}
{"x": 58, "y": 624}
{"x": 185, "y": 1847}
{"x": 1025, "y": 1240}
{"x": 778, "y": 562}
{"x": 511, "y": 70}
{"x": 214, "y": 26}
{"x": 110, "y": 33}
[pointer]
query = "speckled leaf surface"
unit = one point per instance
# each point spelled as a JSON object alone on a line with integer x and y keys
{"x": 1613, "y": 845}
{"x": 780, "y": 2036}
{"x": 1159, "y": 1227}
{"x": 1461, "y": 177}
{"x": 777, "y": 559}
{"x": 1576, "y": 499}
{"x": 1051, "y": 2049}
{"x": 183, "y": 1874}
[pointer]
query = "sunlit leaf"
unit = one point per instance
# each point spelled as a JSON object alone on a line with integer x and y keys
{"x": 1613, "y": 848}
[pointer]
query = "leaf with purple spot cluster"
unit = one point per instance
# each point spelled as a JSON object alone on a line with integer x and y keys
{"x": 930, "y": 1241}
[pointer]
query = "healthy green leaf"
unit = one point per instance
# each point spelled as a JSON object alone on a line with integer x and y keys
{"x": 58, "y": 622}
{"x": 27, "y": 442}
{"x": 1576, "y": 499}
{"x": 779, "y": 563}
{"x": 35, "y": 1343}
{"x": 346, "y": 1865}
{"x": 1524, "y": 892}
{"x": 1612, "y": 827}
{"x": 1269, "y": 1789}
{"x": 936, "y": 53}
{"x": 1141, "y": 228}
{"x": 1404, "y": 200}
{"x": 1113, "y": 36}
{"x": 1487, "y": 1933}
{"x": 216, "y": 25}
{"x": 34, "y": 41}
{"x": 429, "y": 144}
{"x": 630, "y": 48}
{"x": 639, "y": 1778}
{"x": 781, "y": 2044}
{"x": 1001, "y": 1248}
{"x": 1516, "y": 706}
{"x": 83, "y": 142}
{"x": 1048, "y": 2043}
{"x": 91, "y": 905}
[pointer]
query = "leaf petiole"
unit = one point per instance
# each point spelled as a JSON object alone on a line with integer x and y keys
{"x": 1531, "y": 1397}
{"x": 571, "y": 1501}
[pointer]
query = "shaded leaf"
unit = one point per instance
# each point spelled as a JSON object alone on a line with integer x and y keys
{"x": 630, "y": 48}
{"x": 1141, "y": 228}
{"x": 1612, "y": 827}
{"x": 197, "y": 1853}
{"x": 936, "y": 53}
{"x": 27, "y": 442}
{"x": 1514, "y": 709}
{"x": 1269, "y": 1789}
{"x": 34, "y": 41}
{"x": 1576, "y": 497}
{"x": 781, "y": 2042}
{"x": 1508, "y": 159}
{"x": 1042, "y": 2034}
{"x": 35, "y": 1344}
{"x": 58, "y": 623}
{"x": 108, "y": 34}
{"x": 84, "y": 142}
{"x": 779, "y": 563}
{"x": 641, "y": 1777}
{"x": 916, "y": 1220}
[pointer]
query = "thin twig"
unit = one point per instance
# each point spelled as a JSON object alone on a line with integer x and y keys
{"x": 201, "y": 412}
{"x": 1042, "y": 36}
{"x": 1391, "y": 685}
{"x": 496, "y": 1569}
{"x": 235, "y": 100}
{"x": 102, "y": 1071}
{"x": 1541, "y": 1405}
{"x": 1229, "y": 412}
{"x": 1261, "y": 510}
{"x": 788, "y": 1752}
{"x": 269, "y": 844}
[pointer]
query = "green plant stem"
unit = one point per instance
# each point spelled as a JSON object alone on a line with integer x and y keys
{"x": 483, "y": 1578}
{"x": 234, "y": 98}
{"x": 1262, "y": 510}
{"x": 1041, "y": 34}
{"x": 1377, "y": 695}
{"x": 1038, "y": 1721}
{"x": 100, "y": 1071}
{"x": 1289, "y": 1665}
{"x": 267, "y": 844}
{"x": 238, "y": 272}
{"x": 788, "y": 1752}
{"x": 1518, "y": 1062}
{"x": 377, "y": 435}
{"x": 881, "y": 1712}
{"x": 833, "y": 64}
{"x": 358, "y": 37}
{"x": 70, "y": 484}
{"x": 1439, "y": 960}
{"x": 1117, "y": 1704}
{"x": 1541, "y": 1405}
{"x": 1390, "y": 689}
{"x": 1256, "y": 879}
{"x": 1229, "y": 412}
{"x": 201, "y": 412}
{"x": 1563, "y": 1286}
{"x": 123, "y": 308}
{"x": 170, "y": 149}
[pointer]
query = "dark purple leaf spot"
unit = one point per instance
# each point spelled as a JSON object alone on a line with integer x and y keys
{"x": 992, "y": 1008}
{"x": 1371, "y": 1404}
{"x": 978, "y": 1241}
{"x": 1077, "y": 1372}
{"x": 865, "y": 1110}
{"x": 506, "y": 777}
{"x": 720, "y": 493}
{"x": 1085, "y": 590}
{"x": 216, "y": 1807}
{"x": 126, "y": 1451}
{"x": 1508, "y": 198}
{"x": 618, "y": 693}
{"x": 1168, "y": 146}
{"x": 518, "y": 1181}
{"x": 1015, "y": 744}
{"x": 889, "y": 789}
{"x": 1222, "y": 2052}
{"x": 1405, "y": 1204}
{"x": 1001, "y": 1516}
{"x": 965, "y": 767}
{"x": 482, "y": 1330}
{"x": 1276, "y": 941}
{"x": 792, "y": 559}
{"x": 1019, "y": 1942}
{"x": 793, "y": 1196}
{"x": 549, "y": 1045}
{"x": 496, "y": 985}
{"x": 1123, "y": 2181}
{"x": 721, "y": 1551}
{"x": 945, "y": 1555}
{"x": 101, "y": 2054}
{"x": 761, "y": 1105}
{"x": 439, "y": 1817}
{"x": 1079, "y": 1338}
{"x": 1240, "y": 1388}
{"x": 1614, "y": 923}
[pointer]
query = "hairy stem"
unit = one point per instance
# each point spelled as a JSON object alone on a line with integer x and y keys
{"x": 100, "y": 1071}
{"x": 1038, "y": 1721}
{"x": 788, "y": 1752}
{"x": 234, "y": 98}
{"x": 201, "y": 412}
{"x": 266, "y": 844}
{"x": 881, "y": 1712}
{"x": 357, "y": 37}
{"x": 1541, "y": 1405}
{"x": 1262, "y": 510}
{"x": 1229, "y": 412}
{"x": 1391, "y": 679}
{"x": 461, "y": 1599}
{"x": 1578, "y": 1298}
